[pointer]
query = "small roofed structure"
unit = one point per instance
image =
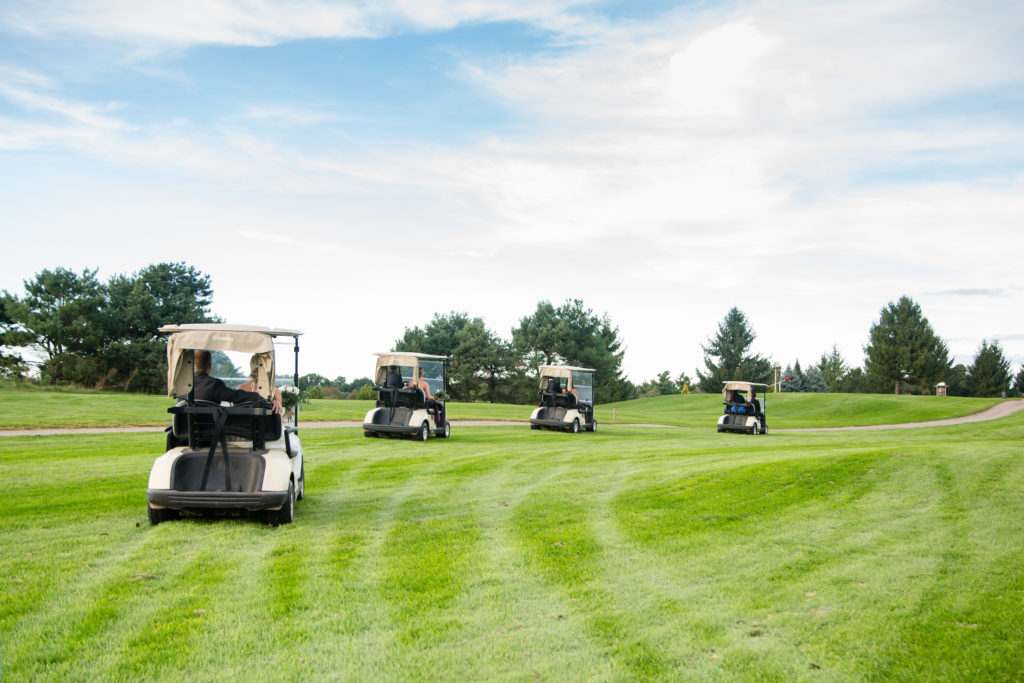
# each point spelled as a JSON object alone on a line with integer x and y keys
{"x": 940, "y": 389}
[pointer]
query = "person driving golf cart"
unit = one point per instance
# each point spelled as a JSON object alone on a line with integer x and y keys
{"x": 566, "y": 399}
{"x": 742, "y": 409}
{"x": 410, "y": 402}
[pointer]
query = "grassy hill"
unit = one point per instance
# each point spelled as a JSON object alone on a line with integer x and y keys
{"x": 40, "y": 408}
{"x": 509, "y": 554}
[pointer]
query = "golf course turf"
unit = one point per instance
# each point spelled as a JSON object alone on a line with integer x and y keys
{"x": 510, "y": 554}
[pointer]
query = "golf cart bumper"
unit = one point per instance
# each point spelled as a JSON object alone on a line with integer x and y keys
{"x": 216, "y": 500}
{"x": 743, "y": 429}
{"x": 406, "y": 430}
{"x": 551, "y": 424}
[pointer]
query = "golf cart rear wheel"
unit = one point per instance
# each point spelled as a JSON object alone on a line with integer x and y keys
{"x": 286, "y": 515}
{"x": 446, "y": 431}
{"x": 301, "y": 493}
{"x": 424, "y": 432}
{"x": 575, "y": 426}
{"x": 534, "y": 426}
{"x": 592, "y": 427}
{"x": 158, "y": 515}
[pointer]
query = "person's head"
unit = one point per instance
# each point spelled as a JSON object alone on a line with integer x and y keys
{"x": 203, "y": 361}
{"x": 393, "y": 368}
{"x": 753, "y": 394}
{"x": 419, "y": 373}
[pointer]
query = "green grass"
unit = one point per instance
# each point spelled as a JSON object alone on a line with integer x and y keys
{"x": 509, "y": 554}
{"x": 796, "y": 410}
{"x": 36, "y": 408}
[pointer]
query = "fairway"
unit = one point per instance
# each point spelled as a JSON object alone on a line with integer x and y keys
{"x": 25, "y": 408}
{"x": 508, "y": 554}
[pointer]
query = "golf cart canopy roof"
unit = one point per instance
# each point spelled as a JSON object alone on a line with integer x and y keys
{"x": 741, "y": 386}
{"x": 187, "y": 338}
{"x": 560, "y": 371}
{"x": 407, "y": 359}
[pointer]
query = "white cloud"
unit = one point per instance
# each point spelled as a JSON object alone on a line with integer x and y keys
{"x": 181, "y": 23}
{"x": 708, "y": 159}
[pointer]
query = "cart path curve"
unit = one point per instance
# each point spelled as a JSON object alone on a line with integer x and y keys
{"x": 994, "y": 413}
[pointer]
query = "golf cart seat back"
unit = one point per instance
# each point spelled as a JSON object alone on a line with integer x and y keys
{"x": 406, "y": 397}
{"x": 198, "y": 424}
{"x": 555, "y": 399}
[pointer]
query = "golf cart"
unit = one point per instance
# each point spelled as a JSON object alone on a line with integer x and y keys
{"x": 226, "y": 459}
{"x": 566, "y": 399}
{"x": 404, "y": 410}
{"x": 743, "y": 411}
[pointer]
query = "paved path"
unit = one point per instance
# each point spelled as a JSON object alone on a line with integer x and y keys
{"x": 995, "y": 412}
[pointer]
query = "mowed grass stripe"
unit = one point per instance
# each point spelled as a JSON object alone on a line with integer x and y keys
{"x": 517, "y": 624}
{"x": 827, "y": 573}
{"x": 346, "y": 534}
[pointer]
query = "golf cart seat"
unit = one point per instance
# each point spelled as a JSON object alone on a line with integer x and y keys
{"x": 556, "y": 399}
{"x": 411, "y": 397}
{"x": 406, "y": 397}
{"x": 197, "y": 423}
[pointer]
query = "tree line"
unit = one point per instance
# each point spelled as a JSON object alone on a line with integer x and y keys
{"x": 104, "y": 335}
{"x": 101, "y": 334}
{"x": 903, "y": 355}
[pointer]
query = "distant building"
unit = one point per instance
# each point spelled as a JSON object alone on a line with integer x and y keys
{"x": 940, "y": 389}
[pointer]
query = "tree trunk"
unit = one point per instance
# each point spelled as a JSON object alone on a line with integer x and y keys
{"x": 897, "y": 387}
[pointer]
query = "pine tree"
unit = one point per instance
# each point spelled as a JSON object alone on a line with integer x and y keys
{"x": 833, "y": 369}
{"x": 989, "y": 374}
{"x": 793, "y": 378}
{"x": 725, "y": 356}
{"x": 904, "y": 349}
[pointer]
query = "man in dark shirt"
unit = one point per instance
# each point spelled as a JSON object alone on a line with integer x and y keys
{"x": 206, "y": 388}
{"x": 393, "y": 379}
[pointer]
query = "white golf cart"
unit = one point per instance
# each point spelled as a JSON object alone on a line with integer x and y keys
{"x": 743, "y": 412}
{"x": 404, "y": 410}
{"x": 566, "y": 399}
{"x": 224, "y": 459}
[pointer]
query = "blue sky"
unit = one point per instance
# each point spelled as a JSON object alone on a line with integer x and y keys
{"x": 806, "y": 161}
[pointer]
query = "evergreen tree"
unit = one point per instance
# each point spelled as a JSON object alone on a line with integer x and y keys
{"x": 956, "y": 380}
{"x": 726, "y": 357}
{"x": 903, "y": 348}
{"x": 793, "y": 378}
{"x": 1018, "y": 383}
{"x": 61, "y": 315}
{"x": 833, "y": 369}
{"x": 814, "y": 382}
{"x": 989, "y": 374}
